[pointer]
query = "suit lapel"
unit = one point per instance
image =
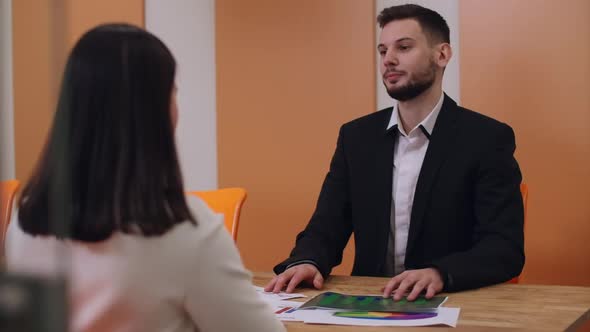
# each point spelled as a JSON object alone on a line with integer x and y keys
{"x": 383, "y": 179}
{"x": 440, "y": 143}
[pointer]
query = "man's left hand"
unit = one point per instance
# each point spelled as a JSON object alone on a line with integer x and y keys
{"x": 414, "y": 282}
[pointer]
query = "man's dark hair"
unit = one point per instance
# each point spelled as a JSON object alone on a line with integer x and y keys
{"x": 434, "y": 26}
{"x": 110, "y": 154}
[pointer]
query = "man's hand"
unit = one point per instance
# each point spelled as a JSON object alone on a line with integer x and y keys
{"x": 414, "y": 282}
{"x": 293, "y": 276}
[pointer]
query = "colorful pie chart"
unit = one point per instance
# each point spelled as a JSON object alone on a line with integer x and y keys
{"x": 385, "y": 315}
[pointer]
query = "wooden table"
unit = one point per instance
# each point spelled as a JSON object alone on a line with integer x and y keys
{"x": 505, "y": 307}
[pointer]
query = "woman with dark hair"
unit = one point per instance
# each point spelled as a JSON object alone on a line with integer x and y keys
{"x": 108, "y": 192}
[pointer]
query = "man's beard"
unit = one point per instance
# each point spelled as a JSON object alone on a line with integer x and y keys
{"x": 416, "y": 86}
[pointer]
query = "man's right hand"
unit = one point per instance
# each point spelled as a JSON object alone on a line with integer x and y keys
{"x": 293, "y": 276}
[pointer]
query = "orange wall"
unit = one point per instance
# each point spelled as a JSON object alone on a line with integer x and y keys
{"x": 85, "y": 14}
{"x": 34, "y": 79}
{"x": 43, "y": 33}
{"x": 289, "y": 73}
{"x": 527, "y": 63}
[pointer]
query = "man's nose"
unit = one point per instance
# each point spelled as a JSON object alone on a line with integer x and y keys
{"x": 390, "y": 58}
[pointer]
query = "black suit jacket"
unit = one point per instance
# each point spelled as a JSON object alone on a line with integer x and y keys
{"x": 467, "y": 216}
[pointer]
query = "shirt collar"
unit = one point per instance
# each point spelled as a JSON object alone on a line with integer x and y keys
{"x": 427, "y": 125}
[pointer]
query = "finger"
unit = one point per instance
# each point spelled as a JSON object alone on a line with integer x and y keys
{"x": 404, "y": 286}
{"x": 282, "y": 280}
{"x": 418, "y": 287}
{"x": 318, "y": 281}
{"x": 295, "y": 280}
{"x": 269, "y": 287}
{"x": 390, "y": 286}
{"x": 431, "y": 291}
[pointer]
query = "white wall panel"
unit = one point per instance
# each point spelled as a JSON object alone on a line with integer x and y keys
{"x": 188, "y": 29}
{"x": 6, "y": 93}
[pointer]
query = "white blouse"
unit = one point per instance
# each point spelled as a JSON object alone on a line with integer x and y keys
{"x": 189, "y": 279}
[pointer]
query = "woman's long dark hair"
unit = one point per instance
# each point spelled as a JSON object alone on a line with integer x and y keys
{"x": 110, "y": 157}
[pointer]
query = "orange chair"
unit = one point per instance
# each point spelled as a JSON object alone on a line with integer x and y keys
{"x": 7, "y": 191}
{"x": 228, "y": 201}
{"x": 524, "y": 191}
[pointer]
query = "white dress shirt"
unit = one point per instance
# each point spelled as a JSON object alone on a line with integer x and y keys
{"x": 408, "y": 156}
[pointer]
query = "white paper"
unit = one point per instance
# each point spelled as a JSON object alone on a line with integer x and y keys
{"x": 269, "y": 296}
{"x": 446, "y": 316}
{"x": 285, "y": 310}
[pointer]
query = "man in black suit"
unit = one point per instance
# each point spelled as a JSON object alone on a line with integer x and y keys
{"x": 429, "y": 189}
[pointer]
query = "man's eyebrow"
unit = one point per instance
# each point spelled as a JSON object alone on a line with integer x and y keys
{"x": 397, "y": 41}
{"x": 404, "y": 39}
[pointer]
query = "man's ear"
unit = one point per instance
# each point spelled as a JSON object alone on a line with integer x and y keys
{"x": 443, "y": 54}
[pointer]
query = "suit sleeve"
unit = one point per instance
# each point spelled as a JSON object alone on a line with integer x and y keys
{"x": 330, "y": 227}
{"x": 497, "y": 251}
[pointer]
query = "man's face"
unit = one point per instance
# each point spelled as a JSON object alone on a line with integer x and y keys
{"x": 407, "y": 63}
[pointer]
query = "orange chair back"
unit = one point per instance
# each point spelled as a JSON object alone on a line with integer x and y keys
{"x": 7, "y": 191}
{"x": 524, "y": 191}
{"x": 228, "y": 201}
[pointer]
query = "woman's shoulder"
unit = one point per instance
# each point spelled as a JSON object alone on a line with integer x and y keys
{"x": 201, "y": 211}
{"x": 192, "y": 237}
{"x": 206, "y": 220}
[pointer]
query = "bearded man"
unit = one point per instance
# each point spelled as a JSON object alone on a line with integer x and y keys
{"x": 430, "y": 190}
